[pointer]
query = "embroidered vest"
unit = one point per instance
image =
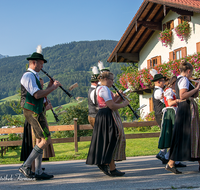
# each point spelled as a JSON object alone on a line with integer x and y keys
{"x": 30, "y": 102}
{"x": 157, "y": 104}
{"x": 101, "y": 101}
{"x": 93, "y": 108}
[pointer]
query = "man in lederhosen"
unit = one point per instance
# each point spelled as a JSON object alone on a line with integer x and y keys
{"x": 158, "y": 105}
{"x": 32, "y": 98}
{"x": 92, "y": 97}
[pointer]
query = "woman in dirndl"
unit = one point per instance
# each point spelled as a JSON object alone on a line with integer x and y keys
{"x": 185, "y": 144}
{"x": 108, "y": 138}
{"x": 168, "y": 119}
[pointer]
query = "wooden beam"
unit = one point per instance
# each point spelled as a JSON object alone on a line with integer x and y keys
{"x": 140, "y": 124}
{"x": 181, "y": 11}
{"x": 151, "y": 25}
{"x": 147, "y": 90}
{"x": 134, "y": 57}
{"x": 80, "y": 127}
{"x": 142, "y": 135}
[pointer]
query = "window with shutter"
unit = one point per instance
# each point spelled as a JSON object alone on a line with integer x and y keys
{"x": 164, "y": 26}
{"x": 184, "y": 51}
{"x": 151, "y": 104}
{"x": 169, "y": 25}
{"x": 181, "y": 19}
{"x": 171, "y": 56}
{"x": 148, "y": 63}
{"x": 154, "y": 61}
{"x": 177, "y": 53}
{"x": 159, "y": 60}
{"x": 198, "y": 47}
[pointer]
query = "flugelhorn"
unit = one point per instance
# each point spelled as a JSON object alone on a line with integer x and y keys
{"x": 54, "y": 80}
{"x": 134, "y": 112}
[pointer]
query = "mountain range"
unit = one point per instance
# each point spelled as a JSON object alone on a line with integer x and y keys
{"x": 3, "y": 56}
{"x": 68, "y": 63}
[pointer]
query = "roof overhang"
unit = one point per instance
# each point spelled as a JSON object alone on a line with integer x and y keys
{"x": 146, "y": 21}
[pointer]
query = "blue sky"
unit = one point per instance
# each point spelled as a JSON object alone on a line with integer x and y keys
{"x": 28, "y": 23}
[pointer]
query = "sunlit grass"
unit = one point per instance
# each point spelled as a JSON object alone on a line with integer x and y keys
{"x": 66, "y": 151}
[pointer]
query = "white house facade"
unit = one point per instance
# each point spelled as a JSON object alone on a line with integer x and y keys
{"x": 140, "y": 42}
{"x": 154, "y": 48}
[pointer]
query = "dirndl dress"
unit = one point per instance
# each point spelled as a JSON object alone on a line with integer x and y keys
{"x": 167, "y": 127}
{"x": 27, "y": 145}
{"x": 168, "y": 120}
{"x": 185, "y": 145}
{"x": 108, "y": 138}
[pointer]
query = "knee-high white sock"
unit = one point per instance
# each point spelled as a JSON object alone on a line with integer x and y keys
{"x": 33, "y": 155}
{"x": 38, "y": 165}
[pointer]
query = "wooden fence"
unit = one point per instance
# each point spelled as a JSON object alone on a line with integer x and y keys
{"x": 77, "y": 127}
{"x": 4, "y": 148}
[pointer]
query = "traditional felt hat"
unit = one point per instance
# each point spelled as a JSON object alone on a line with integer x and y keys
{"x": 37, "y": 55}
{"x": 101, "y": 67}
{"x": 158, "y": 77}
{"x": 94, "y": 77}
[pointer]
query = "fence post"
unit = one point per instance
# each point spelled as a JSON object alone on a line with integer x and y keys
{"x": 75, "y": 134}
{"x": 2, "y": 150}
{"x": 7, "y": 146}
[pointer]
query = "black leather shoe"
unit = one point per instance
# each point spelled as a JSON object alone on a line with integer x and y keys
{"x": 165, "y": 161}
{"x": 43, "y": 176}
{"x": 104, "y": 168}
{"x": 179, "y": 165}
{"x": 173, "y": 169}
{"x": 26, "y": 171}
{"x": 116, "y": 172}
{"x": 160, "y": 157}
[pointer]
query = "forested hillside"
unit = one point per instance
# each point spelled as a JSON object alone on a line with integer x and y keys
{"x": 68, "y": 63}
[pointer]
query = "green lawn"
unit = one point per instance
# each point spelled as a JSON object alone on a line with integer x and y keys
{"x": 10, "y": 98}
{"x": 50, "y": 118}
{"x": 3, "y": 136}
{"x": 66, "y": 151}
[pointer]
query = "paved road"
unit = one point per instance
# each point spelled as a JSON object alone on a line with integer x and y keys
{"x": 144, "y": 172}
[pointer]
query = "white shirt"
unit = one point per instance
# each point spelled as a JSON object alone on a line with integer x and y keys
{"x": 29, "y": 82}
{"x": 104, "y": 93}
{"x": 183, "y": 83}
{"x": 169, "y": 94}
{"x": 158, "y": 95}
{"x": 92, "y": 94}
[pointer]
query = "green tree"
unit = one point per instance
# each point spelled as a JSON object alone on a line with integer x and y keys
{"x": 81, "y": 113}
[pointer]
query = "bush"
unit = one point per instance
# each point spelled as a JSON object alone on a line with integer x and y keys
{"x": 150, "y": 116}
{"x": 81, "y": 113}
{"x": 14, "y": 137}
{"x": 155, "y": 128}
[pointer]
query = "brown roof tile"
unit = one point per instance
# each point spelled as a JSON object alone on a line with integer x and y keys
{"x": 126, "y": 43}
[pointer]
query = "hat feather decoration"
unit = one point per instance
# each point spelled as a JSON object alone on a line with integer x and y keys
{"x": 95, "y": 70}
{"x": 100, "y": 65}
{"x": 153, "y": 72}
{"x": 39, "y": 49}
